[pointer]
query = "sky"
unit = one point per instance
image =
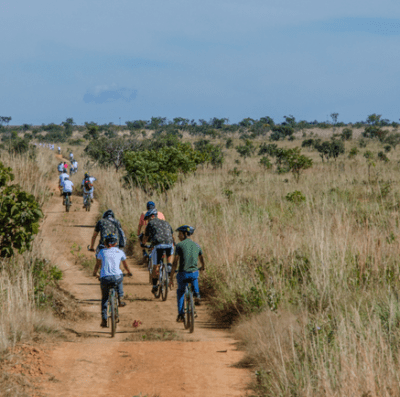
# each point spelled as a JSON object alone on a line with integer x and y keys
{"x": 123, "y": 60}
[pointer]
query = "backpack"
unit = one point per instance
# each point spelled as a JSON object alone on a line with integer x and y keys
{"x": 121, "y": 235}
{"x": 87, "y": 184}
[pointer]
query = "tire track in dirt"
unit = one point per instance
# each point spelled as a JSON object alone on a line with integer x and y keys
{"x": 93, "y": 364}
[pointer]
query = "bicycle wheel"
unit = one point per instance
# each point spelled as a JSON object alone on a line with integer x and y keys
{"x": 67, "y": 204}
{"x": 159, "y": 285}
{"x": 186, "y": 316}
{"x": 164, "y": 285}
{"x": 191, "y": 313}
{"x": 113, "y": 314}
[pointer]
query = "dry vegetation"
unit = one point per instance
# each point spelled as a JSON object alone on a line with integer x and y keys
{"x": 20, "y": 317}
{"x": 314, "y": 283}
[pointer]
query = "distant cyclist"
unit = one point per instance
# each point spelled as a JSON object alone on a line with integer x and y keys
{"x": 87, "y": 184}
{"x": 105, "y": 226}
{"x": 60, "y": 167}
{"x": 75, "y": 165}
{"x": 71, "y": 156}
{"x": 160, "y": 234}
{"x": 187, "y": 253}
{"x": 59, "y": 150}
{"x": 108, "y": 260}
{"x": 67, "y": 188}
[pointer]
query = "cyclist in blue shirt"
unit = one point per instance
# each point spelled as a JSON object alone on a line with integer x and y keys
{"x": 109, "y": 260}
{"x": 187, "y": 252}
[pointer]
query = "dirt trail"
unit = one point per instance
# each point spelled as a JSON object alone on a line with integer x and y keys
{"x": 93, "y": 364}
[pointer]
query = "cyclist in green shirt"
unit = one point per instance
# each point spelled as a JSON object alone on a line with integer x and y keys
{"x": 187, "y": 252}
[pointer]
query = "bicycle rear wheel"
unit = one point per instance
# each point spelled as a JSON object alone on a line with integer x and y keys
{"x": 113, "y": 312}
{"x": 164, "y": 285}
{"x": 191, "y": 313}
{"x": 67, "y": 204}
{"x": 186, "y": 321}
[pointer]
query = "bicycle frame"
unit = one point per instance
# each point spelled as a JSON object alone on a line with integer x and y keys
{"x": 190, "y": 313}
{"x": 112, "y": 309}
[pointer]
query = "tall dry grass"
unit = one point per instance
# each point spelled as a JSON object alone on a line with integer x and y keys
{"x": 19, "y": 317}
{"x": 327, "y": 268}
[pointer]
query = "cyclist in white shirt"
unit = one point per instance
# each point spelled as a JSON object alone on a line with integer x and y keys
{"x": 68, "y": 187}
{"x": 71, "y": 156}
{"x": 61, "y": 179}
{"x": 109, "y": 260}
{"x": 75, "y": 164}
{"x": 60, "y": 167}
{"x": 59, "y": 150}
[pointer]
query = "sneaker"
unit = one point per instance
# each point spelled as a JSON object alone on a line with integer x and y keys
{"x": 121, "y": 304}
{"x": 91, "y": 200}
{"x": 197, "y": 301}
{"x": 83, "y": 207}
{"x": 154, "y": 289}
{"x": 180, "y": 318}
{"x": 103, "y": 323}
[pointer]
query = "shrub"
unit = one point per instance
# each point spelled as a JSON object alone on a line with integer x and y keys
{"x": 295, "y": 197}
{"x": 266, "y": 162}
{"x": 246, "y": 150}
{"x": 353, "y": 152}
{"x": 269, "y": 149}
{"x": 382, "y": 157}
{"x": 347, "y": 134}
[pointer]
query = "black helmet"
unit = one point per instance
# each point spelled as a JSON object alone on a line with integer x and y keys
{"x": 186, "y": 229}
{"x": 150, "y": 205}
{"x": 111, "y": 239}
{"x": 108, "y": 213}
{"x": 151, "y": 212}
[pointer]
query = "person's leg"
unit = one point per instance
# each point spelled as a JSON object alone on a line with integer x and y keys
{"x": 194, "y": 279}
{"x": 180, "y": 292}
{"x": 170, "y": 258}
{"x": 156, "y": 269}
{"x": 120, "y": 290}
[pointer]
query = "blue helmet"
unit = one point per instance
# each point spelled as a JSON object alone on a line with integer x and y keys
{"x": 111, "y": 239}
{"x": 108, "y": 213}
{"x": 151, "y": 212}
{"x": 189, "y": 230}
{"x": 150, "y": 205}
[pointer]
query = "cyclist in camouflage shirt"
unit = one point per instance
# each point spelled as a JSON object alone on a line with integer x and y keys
{"x": 105, "y": 226}
{"x": 160, "y": 234}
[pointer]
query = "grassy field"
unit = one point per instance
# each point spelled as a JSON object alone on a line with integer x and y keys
{"x": 310, "y": 285}
{"x": 313, "y": 284}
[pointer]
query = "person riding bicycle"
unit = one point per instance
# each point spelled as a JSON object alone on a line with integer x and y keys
{"x": 87, "y": 184}
{"x": 61, "y": 179}
{"x": 71, "y": 156}
{"x": 187, "y": 252}
{"x": 108, "y": 260}
{"x": 75, "y": 165}
{"x": 59, "y": 150}
{"x": 105, "y": 226}
{"x": 143, "y": 223}
{"x": 67, "y": 187}
{"x": 60, "y": 167}
{"x": 160, "y": 234}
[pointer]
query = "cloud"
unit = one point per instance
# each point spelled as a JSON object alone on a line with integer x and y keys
{"x": 106, "y": 94}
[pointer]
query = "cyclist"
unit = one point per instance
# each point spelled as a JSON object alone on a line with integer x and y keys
{"x": 108, "y": 260}
{"x": 75, "y": 165}
{"x": 142, "y": 222}
{"x": 160, "y": 233}
{"x": 88, "y": 182}
{"x": 61, "y": 179}
{"x": 67, "y": 187}
{"x": 60, "y": 167}
{"x": 59, "y": 150}
{"x": 87, "y": 189}
{"x": 71, "y": 156}
{"x": 65, "y": 166}
{"x": 105, "y": 226}
{"x": 187, "y": 253}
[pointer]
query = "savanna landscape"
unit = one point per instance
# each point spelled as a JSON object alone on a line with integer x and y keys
{"x": 299, "y": 225}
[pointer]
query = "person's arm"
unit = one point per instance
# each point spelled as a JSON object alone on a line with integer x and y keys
{"x": 146, "y": 235}
{"x": 93, "y": 239}
{"x": 174, "y": 265}
{"x": 203, "y": 266}
{"x": 126, "y": 267}
{"x": 97, "y": 267}
{"x": 141, "y": 223}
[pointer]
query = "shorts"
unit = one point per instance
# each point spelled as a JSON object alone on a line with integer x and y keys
{"x": 65, "y": 194}
{"x": 158, "y": 252}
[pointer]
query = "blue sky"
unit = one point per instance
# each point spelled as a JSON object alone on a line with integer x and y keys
{"x": 97, "y": 60}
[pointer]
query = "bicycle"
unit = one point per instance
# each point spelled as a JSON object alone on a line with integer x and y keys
{"x": 163, "y": 277}
{"x": 112, "y": 308}
{"x": 67, "y": 203}
{"x": 190, "y": 312}
{"x": 86, "y": 201}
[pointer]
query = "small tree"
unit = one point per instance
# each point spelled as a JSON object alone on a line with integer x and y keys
{"x": 19, "y": 216}
{"x": 246, "y": 150}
